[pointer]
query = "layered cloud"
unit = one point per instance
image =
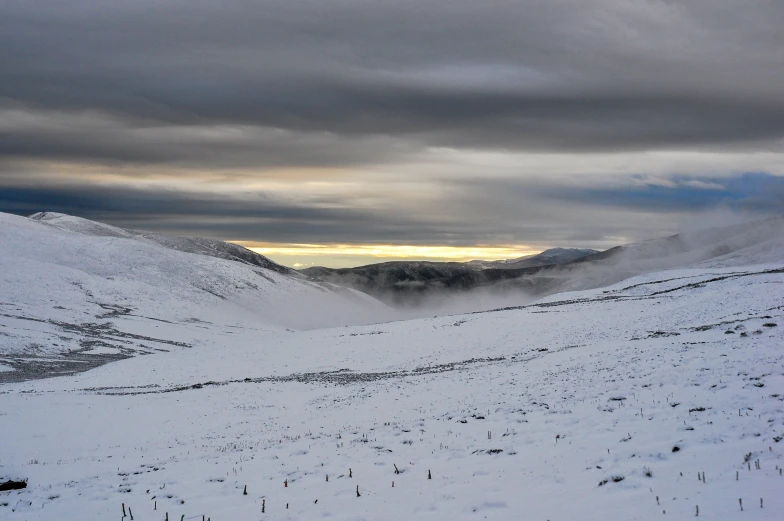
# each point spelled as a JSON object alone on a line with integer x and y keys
{"x": 532, "y": 212}
{"x": 505, "y": 122}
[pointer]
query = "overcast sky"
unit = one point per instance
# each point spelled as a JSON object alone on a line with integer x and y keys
{"x": 369, "y": 127}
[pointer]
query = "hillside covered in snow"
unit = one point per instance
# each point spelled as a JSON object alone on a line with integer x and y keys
{"x": 660, "y": 396}
{"x": 76, "y": 293}
{"x": 477, "y": 285}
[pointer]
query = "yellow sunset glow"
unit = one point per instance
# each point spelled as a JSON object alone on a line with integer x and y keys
{"x": 290, "y": 253}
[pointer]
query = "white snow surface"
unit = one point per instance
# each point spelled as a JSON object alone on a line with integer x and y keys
{"x": 79, "y": 272}
{"x": 755, "y": 242}
{"x": 566, "y": 409}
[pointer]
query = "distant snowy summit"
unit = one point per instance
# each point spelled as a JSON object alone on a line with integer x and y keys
{"x": 552, "y": 256}
{"x": 562, "y": 269}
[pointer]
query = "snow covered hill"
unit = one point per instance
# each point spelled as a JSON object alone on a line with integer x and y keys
{"x": 474, "y": 286}
{"x": 658, "y": 397}
{"x": 552, "y": 256}
{"x": 760, "y": 241}
{"x": 202, "y": 246}
{"x": 75, "y": 293}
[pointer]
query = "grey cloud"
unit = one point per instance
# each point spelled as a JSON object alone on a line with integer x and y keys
{"x": 561, "y": 75}
{"x": 399, "y": 131}
{"x": 92, "y": 136}
{"x": 633, "y": 195}
{"x": 465, "y": 213}
{"x": 252, "y": 217}
{"x": 243, "y": 86}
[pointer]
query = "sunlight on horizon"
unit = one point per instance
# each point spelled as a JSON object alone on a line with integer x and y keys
{"x": 350, "y": 255}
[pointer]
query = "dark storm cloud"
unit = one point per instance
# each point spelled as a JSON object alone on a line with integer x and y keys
{"x": 402, "y": 98}
{"x": 750, "y": 192}
{"x": 493, "y": 212}
{"x": 256, "y": 218}
{"x": 393, "y": 130}
{"x": 91, "y": 136}
{"x": 557, "y": 75}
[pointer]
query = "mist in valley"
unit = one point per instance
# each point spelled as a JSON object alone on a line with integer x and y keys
{"x": 717, "y": 238}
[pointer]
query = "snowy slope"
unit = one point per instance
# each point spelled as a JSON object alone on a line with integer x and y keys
{"x": 74, "y": 292}
{"x": 567, "y": 409}
{"x": 545, "y": 258}
{"x": 760, "y": 241}
{"x": 478, "y": 285}
{"x": 199, "y": 245}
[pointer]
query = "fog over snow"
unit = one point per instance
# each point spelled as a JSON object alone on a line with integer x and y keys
{"x": 658, "y": 396}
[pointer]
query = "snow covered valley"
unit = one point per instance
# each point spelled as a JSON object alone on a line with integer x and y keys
{"x": 660, "y": 397}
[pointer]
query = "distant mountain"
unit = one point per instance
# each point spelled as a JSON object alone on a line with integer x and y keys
{"x": 403, "y": 283}
{"x": 406, "y": 282}
{"x": 553, "y": 256}
{"x": 754, "y": 242}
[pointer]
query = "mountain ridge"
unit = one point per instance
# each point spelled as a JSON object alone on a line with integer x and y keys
{"x": 198, "y": 245}
{"x": 76, "y": 293}
{"x": 401, "y": 283}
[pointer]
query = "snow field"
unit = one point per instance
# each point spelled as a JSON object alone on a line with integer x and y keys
{"x": 517, "y": 414}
